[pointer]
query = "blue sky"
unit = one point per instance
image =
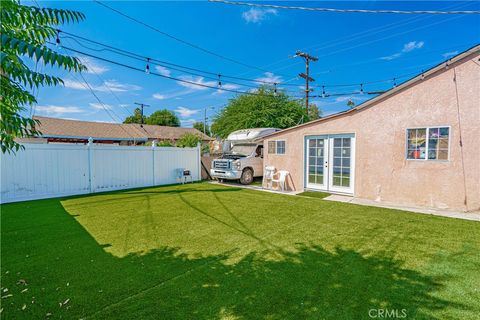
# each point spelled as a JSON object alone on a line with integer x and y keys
{"x": 351, "y": 47}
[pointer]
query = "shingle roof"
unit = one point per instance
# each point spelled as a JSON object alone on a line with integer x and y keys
{"x": 63, "y": 128}
{"x": 163, "y": 132}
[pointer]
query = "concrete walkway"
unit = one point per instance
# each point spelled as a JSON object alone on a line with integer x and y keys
{"x": 475, "y": 216}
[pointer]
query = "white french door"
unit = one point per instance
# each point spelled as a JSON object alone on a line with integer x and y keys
{"x": 329, "y": 164}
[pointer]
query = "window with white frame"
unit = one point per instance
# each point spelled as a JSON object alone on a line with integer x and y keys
{"x": 430, "y": 143}
{"x": 276, "y": 147}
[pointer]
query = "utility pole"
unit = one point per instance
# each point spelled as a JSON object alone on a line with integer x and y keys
{"x": 205, "y": 121}
{"x": 141, "y": 110}
{"x": 305, "y": 75}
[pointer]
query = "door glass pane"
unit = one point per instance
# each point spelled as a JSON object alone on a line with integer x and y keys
{"x": 316, "y": 159}
{"x": 341, "y": 162}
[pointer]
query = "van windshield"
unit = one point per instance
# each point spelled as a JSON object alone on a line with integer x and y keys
{"x": 243, "y": 149}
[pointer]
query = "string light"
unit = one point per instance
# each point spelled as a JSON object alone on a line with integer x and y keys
{"x": 394, "y": 82}
{"x": 219, "y": 81}
{"x": 147, "y": 67}
{"x": 423, "y": 75}
{"x": 323, "y": 91}
{"x": 57, "y": 40}
{"x": 186, "y": 69}
{"x": 275, "y": 88}
{"x": 361, "y": 88}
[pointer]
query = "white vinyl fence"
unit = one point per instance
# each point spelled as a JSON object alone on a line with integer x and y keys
{"x": 53, "y": 170}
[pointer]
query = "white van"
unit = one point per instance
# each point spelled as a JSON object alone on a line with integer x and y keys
{"x": 242, "y": 158}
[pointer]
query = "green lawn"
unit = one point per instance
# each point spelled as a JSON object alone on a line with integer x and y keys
{"x": 203, "y": 251}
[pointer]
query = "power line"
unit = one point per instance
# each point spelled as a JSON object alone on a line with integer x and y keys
{"x": 158, "y": 74}
{"x": 178, "y": 39}
{"x": 274, "y": 6}
{"x": 108, "y": 87}
{"x": 178, "y": 67}
{"x": 163, "y": 63}
{"x": 183, "y": 80}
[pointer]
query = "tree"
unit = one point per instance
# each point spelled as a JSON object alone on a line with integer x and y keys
{"x": 188, "y": 140}
{"x": 199, "y": 127}
{"x": 314, "y": 112}
{"x": 262, "y": 109}
{"x": 163, "y": 118}
{"x": 25, "y": 32}
{"x": 136, "y": 117}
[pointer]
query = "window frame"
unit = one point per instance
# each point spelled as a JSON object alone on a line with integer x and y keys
{"x": 284, "y": 147}
{"x": 427, "y": 133}
{"x": 276, "y": 147}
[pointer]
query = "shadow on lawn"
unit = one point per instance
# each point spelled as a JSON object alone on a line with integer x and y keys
{"x": 310, "y": 283}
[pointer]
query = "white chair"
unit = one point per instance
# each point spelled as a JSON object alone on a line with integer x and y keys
{"x": 268, "y": 176}
{"x": 280, "y": 180}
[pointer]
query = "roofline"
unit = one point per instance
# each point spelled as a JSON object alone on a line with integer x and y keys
{"x": 392, "y": 91}
{"x": 53, "y": 136}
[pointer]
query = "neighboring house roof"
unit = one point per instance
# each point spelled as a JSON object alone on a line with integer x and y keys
{"x": 75, "y": 129}
{"x": 413, "y": 81}
{"x": 167, "y": 133}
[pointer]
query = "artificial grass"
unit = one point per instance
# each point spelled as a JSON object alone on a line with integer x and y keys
{"x": 206, "y": 251}
{"x": 314, "y": 194}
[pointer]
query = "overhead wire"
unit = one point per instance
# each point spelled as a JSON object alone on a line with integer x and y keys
{"x": 163, "y": 63}
{"x": 201, "y": 73}
{"x": 177, "y": 79}
{"x": 275, "y": 6}
{"x": 195, "y": 46}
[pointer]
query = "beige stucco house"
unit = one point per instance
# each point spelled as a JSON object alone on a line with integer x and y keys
{"x": 417, "y": 144}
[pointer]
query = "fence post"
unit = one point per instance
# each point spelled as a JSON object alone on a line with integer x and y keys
{"x": 90, "y": 165}
{"x": 199, "y": 153}
{"x": 154, "y": 144}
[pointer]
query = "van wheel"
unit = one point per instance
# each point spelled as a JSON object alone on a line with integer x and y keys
{"x": 247, "y": 176}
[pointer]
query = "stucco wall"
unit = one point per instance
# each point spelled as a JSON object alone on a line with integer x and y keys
{"x": 381, "y": 171}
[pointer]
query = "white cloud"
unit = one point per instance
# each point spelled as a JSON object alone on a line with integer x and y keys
{"x": 407, "y": 47}
{"x": 227, "y": 86}
{"x": 258, "y": 15}
{"x": 106, "y": 86}
{"x": 158, "y": 96}
{"x": 73, "y": 84}
{"x": 391, "y": 57}
{"x": 92, "y": 65}
{"x": 269, "y": 77}
{"x": 187, "y": 122}
{"x": 197, "y": 83}
{"x": 116, "y": 86}
{"x": 163, "y": 71}
{"x": 412, "y": 45}
{"x": 99, "y": 106}
{"x": 186, "y": 112}
{"x": 56, "y": 110}
{"x": 450, "y": 54}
